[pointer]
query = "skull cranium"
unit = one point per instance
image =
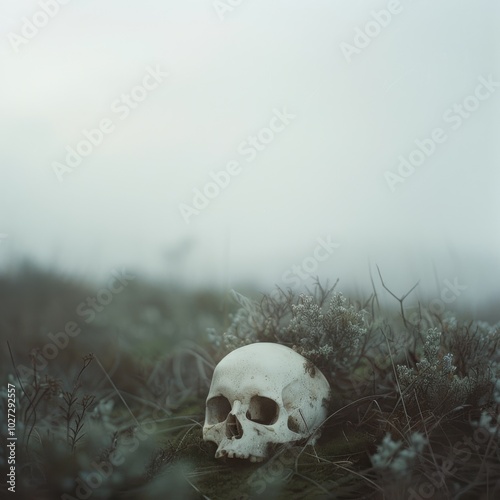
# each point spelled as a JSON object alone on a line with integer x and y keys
{"x": 264, "y": 394}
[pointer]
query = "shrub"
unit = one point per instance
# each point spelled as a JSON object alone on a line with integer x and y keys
{"x": 393, "y": 458}
{"x": 331, "y": 336}
{"x": 434, "y": 385}
{"x": 332, "y": 340}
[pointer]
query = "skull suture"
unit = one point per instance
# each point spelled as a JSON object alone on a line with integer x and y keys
{"x": 264, "y": 394}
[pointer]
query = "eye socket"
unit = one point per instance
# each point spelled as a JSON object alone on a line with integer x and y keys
{"x": 218, "y": 409}
{"x": 293, "y": 424}
{"x": 262, "y": 410}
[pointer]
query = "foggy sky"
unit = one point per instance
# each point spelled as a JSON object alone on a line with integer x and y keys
{"x": 323, "y": 174}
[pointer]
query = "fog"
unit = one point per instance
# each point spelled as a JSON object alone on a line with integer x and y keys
{"x": 366, "y": 129}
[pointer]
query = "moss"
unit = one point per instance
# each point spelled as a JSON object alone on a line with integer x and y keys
{"x": 294, "y": 474}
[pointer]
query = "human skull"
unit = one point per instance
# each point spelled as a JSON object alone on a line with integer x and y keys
{"x": 264, "y": 394}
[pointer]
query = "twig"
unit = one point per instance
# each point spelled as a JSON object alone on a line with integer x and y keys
{"x": 117, "y": 391}
{"x": 400, "y": 300}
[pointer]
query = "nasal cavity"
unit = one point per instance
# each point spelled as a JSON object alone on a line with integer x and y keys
{"x": 233, "y": 427}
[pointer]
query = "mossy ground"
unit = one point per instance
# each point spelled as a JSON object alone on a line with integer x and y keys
{"x": 292, "y": 473}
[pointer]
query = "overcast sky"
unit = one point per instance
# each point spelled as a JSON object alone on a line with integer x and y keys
{"x": 332, "y": 109}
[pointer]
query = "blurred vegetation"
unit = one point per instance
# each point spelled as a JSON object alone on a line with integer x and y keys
{"x": 113, "y": 406}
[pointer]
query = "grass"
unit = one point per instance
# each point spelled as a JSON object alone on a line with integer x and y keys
{"x": 117, "y": 410}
